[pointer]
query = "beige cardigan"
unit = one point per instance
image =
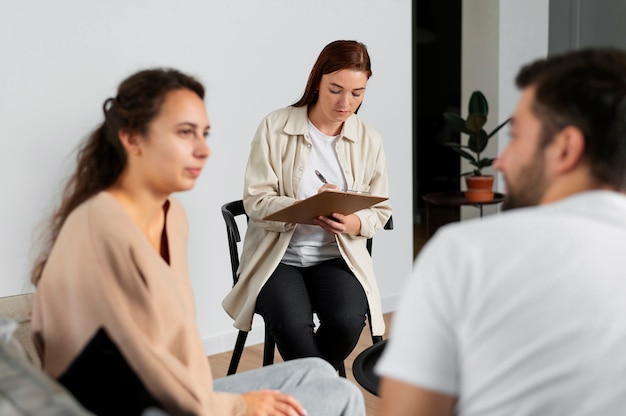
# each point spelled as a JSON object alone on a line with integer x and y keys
{"x": 103, "y": 272}
{"x": 279, "y": 152}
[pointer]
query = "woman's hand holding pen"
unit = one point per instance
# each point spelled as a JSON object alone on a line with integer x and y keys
{"x": 325, "y": 185}
{"x": 328, "y": 186}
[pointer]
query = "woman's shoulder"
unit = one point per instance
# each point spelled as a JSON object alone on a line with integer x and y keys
{"x": 283, "y": 121}
{"x": 285, "y": 113}
{"x": 95, "y": 227}
{"x": 355, "y": 126}
{"x": 100, "y": 208}
{"x": 100, "y": 214}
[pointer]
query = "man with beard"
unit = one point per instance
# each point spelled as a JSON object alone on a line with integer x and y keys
{"x": 524, "y": 313}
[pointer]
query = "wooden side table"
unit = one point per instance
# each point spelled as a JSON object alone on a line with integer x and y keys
{"x": 454, "y": 199}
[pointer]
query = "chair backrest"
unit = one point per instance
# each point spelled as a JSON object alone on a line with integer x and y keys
{"x": 231, "y": 210}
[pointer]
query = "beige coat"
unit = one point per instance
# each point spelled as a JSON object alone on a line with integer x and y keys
{"x": 279, "y": 152}
{"x": 103, "y": 272}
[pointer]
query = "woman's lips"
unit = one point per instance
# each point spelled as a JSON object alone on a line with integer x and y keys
{"x": 194, "y": 172}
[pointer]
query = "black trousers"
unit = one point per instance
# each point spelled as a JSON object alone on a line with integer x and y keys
{"x": 289, "y": 298}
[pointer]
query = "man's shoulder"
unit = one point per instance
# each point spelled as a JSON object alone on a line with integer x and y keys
{"x": 495, "y": 223}
{"x": 567, "y": 215}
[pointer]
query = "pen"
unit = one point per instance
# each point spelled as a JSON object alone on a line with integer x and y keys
{"x": 319, "y": 175}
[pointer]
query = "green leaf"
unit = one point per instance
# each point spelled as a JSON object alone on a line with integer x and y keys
{"x": 475, "y": 122}
{"x": 456, "y": 122}
{"x": 473, "y": 126}
{"x": 485, "y": 162}
{"x": 498, "y": 128}
{"x": 477, "y": 143}
{"x": 478, "y": 104}
{"x": 471, "y": 172}
{"x": 458, "y": 148}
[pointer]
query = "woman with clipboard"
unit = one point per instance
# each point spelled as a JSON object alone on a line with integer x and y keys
{"x": 290, "y": 271}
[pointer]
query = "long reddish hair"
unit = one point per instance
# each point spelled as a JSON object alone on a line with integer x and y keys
{"x": 337, "y": 55}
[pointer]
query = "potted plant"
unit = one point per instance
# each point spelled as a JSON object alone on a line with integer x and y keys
{"x": 479, "y": 186}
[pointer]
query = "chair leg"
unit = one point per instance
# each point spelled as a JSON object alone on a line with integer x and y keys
{"x": 239, "y": 345}
{"x": 268, "y": 348}
{"x": 342, "y": 370}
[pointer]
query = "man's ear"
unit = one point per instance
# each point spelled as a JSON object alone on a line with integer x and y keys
{"x": 568, "y": 149}
{"x": 130, "y": 141}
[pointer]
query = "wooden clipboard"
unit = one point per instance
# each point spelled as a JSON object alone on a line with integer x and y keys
{"x": 324, "y": 204}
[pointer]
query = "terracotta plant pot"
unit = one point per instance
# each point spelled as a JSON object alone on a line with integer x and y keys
{"x": 479, "y": 188}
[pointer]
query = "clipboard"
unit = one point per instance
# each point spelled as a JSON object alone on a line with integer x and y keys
{"x": 324, "y": 204}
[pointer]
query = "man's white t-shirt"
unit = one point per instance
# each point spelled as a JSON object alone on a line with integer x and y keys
{"x": 523, "y": 313}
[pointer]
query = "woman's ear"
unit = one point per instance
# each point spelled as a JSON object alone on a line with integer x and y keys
{"x": 130, "y": 141}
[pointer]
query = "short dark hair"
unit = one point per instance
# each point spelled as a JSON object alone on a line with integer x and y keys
{"x": 587, "y": 89}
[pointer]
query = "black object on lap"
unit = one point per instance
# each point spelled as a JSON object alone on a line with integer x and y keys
{"x": 103, "y": 382}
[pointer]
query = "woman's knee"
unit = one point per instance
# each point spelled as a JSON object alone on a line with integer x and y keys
{"x": 321, "y": 391}
{"x": 336, "y": 396}
{"x": 314, "y": 366}
{"x": 345, "y": 322}
{"x": 290, "y": 324}
{"x": 349, "y": 393}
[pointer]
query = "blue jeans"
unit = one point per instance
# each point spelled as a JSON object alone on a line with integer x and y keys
{"x": 312, "y": 381}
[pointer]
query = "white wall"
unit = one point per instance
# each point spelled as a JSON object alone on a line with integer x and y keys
{"x": 61, "y": 59}
{"x": 577, "y": 24}
{"x": 499, "y": 36}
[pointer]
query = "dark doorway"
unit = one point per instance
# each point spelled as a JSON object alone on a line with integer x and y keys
{"x": 436, "y": 88}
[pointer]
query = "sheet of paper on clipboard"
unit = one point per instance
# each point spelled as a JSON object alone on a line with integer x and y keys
{"x": 325, "y": 203}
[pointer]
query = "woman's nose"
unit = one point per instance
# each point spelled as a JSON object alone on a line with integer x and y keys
{"x": 203, "y": 150}
{"x": 345, "y": 100}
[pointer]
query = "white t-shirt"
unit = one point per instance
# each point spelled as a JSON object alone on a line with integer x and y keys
{"x": 520, "y": 314}
{"x": 310, "y": 244}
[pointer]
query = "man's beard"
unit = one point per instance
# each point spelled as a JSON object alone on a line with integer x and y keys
{"x": 530, "y": 187}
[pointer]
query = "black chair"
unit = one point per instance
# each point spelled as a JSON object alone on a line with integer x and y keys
{"x": 363, "y": 367}
{"x": 230, "y": 211}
